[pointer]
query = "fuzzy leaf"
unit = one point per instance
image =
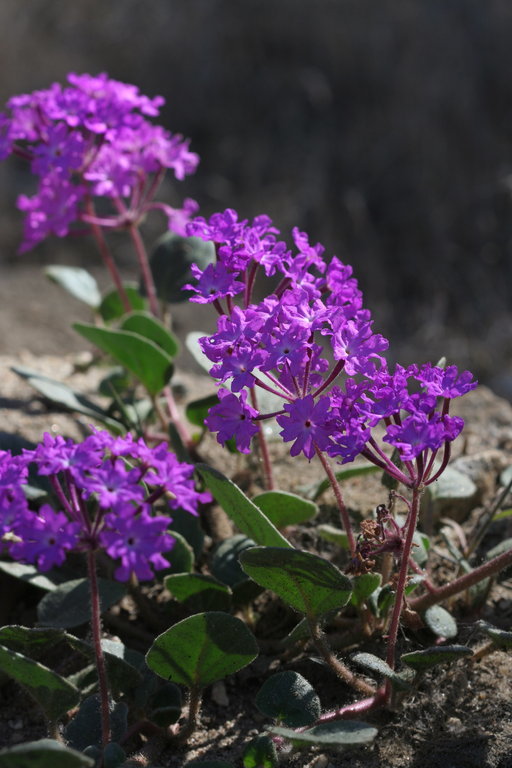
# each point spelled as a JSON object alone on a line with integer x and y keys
{"x": 146, "y": 360}
{"x": 30, "y": 640}
{"x": 380, "y": 667}
{"x": 336, "y": 734}
{"x": 431, "y": 657}
{"x": 500, "y": 637}
{"x": 284, "y": 508}
{"x": 202, "y": 649}
{"x": 170, "y": 263}
{"x": 60, "y": 393}
{"x": 363, "y": 586}
{"x": 335, "y": 535}
{"x": 29, "y": 573}
{"x": 45, "y": 753}
{"x": 69, "y": 604}
{"x": 290, "y": 699}
{"x": 54, "y": 694}
{"x": 305, "y": 581}
{"x": 76, "y": 281}
{"x": 166, "y": 705}
{"x": 199, "y": 592}
{"x": 149, "y": 327}
{"x": 122, "y": 673}
{"x": 197, "y": 410}
{"x": 344, "y": 474}
{"x": 246, "y": 515}
{"x": 440, "y": 622}
{"x": 181, "y": 556}
{"x": 111, "y": 307}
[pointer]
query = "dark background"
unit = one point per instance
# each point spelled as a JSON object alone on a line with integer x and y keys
{"x": 381, "y": 127}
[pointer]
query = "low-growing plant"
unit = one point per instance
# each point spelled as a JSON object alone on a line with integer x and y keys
{"x": 303, "y": 358}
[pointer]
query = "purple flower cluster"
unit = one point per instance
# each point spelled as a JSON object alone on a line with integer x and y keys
{"x": 311, "y": 344}
{"x": 92, "y": 138}
{"x": 105, "y": 487}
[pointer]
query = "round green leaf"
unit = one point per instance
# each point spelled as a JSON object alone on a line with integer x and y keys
{"x": 54, "y": 694}
{"x": 170, "y": 263}
{"x": 112, "y": 307}
{"x": 440, "y": 622}
{"x": 289, "y": 698}
{"x": 284, "y": 508}
{"x": 431, "y": 657}
{"x": 146, "y": 360}
{"x": 225, "y": 564}
{"x": 45, "y": 753}
{"x": 199, "y": 592}
{"x": 339, "y": 734}
{"x": 202, "y": 649}
{"x": 197, "y": 410}
{"x": 181, "y": 556}
{"x": 305, "y": 581}
{"x": 151, "y": 328}
{"x": 363, "y": 586}
{"x": 76, "y": 281}
{"x": 69, "y": 604}
{"x": 335, "y": 535}
{"x": 166, "y": 705}
{"x": 30, "y": 640}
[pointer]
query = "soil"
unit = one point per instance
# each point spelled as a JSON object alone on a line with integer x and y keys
{"x": 459, "y": 717}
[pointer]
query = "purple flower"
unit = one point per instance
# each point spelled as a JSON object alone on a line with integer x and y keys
{"x": 51, "y": 211}
{"x": 45, "y": 538}
{"x": 445, "y": 382}
{"x": 214, "y": 282}
{"x": 232, "y": 418}
{"x": 137, "y": 540}
{"x": 306, "y": 423}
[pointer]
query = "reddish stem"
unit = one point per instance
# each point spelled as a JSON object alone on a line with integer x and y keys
{"x": 145, "y": 269}
{"x": 98, "y": 650}
{"x": 107, "y": 256}
{"x": 268, "y": 475}
{"x": 339, "y": 499}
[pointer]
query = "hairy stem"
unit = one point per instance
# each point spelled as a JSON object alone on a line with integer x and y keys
{"x": 268, "y": 475}
{"x": 145, "y": 270}
{"x": 339, "y": 499}
{"x": 402, "y": 578}
{"x": 98, "y": 651}
{"x": 339, "y": 669}
{"x": 107, "y": 257}
{"x": 467, "y": 580}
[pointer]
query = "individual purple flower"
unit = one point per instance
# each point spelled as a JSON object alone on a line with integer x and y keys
{"x": 306, "y": 423}
{"x": 45, "y": 538}
{"x": 214, "y": 282}
{"x": 51, "y": 211}
{"x": 113, "y": 483}
{"x": 420, "y": 432}
{"x": 445, "y": 382}
{"x": 137, "y": 540}
{"x": 231, "y": 418}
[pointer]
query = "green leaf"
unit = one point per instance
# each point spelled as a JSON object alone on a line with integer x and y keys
{"x": 85, "y": 728}
{"x": 500, "y": 637}
{"x": 45, "y": 753}
{"x": 189, "y": 526}
{"x": 122, "y": 675}
{"x": 246, "y": 515}
{"x": 345, "y": 474}
{"x": 69, "y": 604}
{"x": 147, "y": 361}
{"x": 499, "y": 549}
{"x": 284, "y": 508}
{"x": 289, "y": 698}
{"x": 181, "y": 556}
{"x": 29, "y": 573}
{"x": 338, "y": 734}
{"x": 30, "y": 641}
{"x": 202, "y": 649}
{"x": 199, "y": 592}
{"x": 60, "y": 393}
{"x": 170, "y": 263}
{"x": 166, "y": 705}
{"x": 363, "y": 586}
{"x": 197, "y": 410}
{"x": 114, "y": 755}
{"x": 305, "y": 581}
{"x": 260, "y": 752}
{"x": 225, "y": 567}
{"x": 421, "y": 545}
{"x": 440, "y": 622}
{"x": 502, "y": 515}
{"x": 111, "y": 307}
{"x": 431, "y": 657}
{"x": 335, "y": 535}
{"x": 52, "y": 692}
{"x": 76, "y": 281}
{"x": 149, "y": 327}
{"x": 380, "y": 667}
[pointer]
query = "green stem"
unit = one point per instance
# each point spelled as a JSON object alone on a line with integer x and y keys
{"x": 98, "y": 651}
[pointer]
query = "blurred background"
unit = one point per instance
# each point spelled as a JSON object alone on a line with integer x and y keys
{"x": 384, "y": 129}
